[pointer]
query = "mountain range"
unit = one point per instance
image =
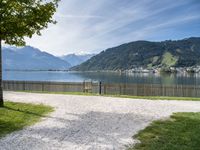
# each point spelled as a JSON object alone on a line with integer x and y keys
{"x": 75, "y": 59}
{"x": 30, "y": 58}
{"x": 146, "y": 54}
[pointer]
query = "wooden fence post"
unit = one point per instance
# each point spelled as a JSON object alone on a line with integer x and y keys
{"x": 100, "y": 84}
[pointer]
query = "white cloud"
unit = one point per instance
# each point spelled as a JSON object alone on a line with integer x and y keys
{"x": 92, "y": 25}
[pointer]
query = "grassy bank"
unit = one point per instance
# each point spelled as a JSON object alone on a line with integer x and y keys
{"x": 161, "y": 98}
{"x": 15, "y": 116}
{"x": 121, "y": 96}
{"x": 180, "y": 132}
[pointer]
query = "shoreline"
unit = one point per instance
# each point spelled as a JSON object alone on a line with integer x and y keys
{"x": 139, "y": 71}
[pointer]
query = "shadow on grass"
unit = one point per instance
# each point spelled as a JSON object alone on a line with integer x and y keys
{"x": 60, "y": 119}
{"x": 24, "y": 111}
{"x": 16, "y": 116}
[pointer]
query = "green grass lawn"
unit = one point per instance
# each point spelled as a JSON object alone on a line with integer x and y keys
{"x": 161, "y": 98}
{"x": 180, "y": 132}
{"x": 121, "y": 96}
{"x": 15, "y": 116}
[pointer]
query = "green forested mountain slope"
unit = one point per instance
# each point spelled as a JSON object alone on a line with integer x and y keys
{"x": 181, "y": 53}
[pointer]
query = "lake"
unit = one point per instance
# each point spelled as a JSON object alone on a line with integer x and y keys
{"x": 106, "y": 77}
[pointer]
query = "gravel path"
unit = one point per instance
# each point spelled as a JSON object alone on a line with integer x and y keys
{"x": 88, "y": 122}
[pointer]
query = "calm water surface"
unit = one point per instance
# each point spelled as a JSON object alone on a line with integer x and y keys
{"x": 108, "y": 77}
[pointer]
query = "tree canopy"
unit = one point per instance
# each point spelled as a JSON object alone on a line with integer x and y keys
{"x": 23, "y": 18}
{"x": 20, "y": 19}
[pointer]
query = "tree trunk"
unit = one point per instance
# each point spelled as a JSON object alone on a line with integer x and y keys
{"x": 1, "y": 89}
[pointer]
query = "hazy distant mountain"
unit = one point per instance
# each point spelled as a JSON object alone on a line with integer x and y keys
{"x": 181, "y": 53}
{"x": 74, "y": 59}
{"x": 29, "y": 58}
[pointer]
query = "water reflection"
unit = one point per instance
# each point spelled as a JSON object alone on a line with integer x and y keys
{"x": 108, "y": 77}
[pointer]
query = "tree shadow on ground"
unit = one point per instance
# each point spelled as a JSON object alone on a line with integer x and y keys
{"x": 92, "y": 129}
{"x": 24, "y": 111}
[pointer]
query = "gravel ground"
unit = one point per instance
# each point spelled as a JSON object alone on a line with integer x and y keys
{"x": 88, "y": 122}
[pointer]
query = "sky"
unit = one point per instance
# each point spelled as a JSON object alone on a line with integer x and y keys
{"x": 90, "y": 26}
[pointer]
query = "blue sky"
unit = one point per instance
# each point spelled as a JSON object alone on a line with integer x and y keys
{"x": 90, "y": 26}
